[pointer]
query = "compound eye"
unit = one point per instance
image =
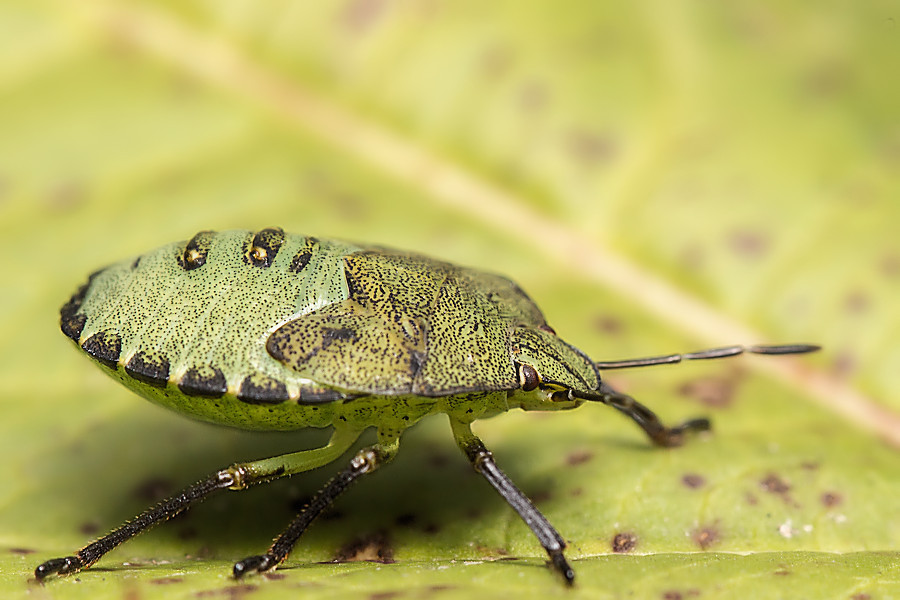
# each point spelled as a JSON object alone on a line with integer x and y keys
{"x": 528, "y": 378}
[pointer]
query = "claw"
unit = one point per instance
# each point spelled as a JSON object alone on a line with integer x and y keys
{"x": 58, "y": 566}
{"x": 562, "y": 567}
{"x": 259, "y": 564}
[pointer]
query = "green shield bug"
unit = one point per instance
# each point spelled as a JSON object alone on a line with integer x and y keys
{"x": 272, "y": 331}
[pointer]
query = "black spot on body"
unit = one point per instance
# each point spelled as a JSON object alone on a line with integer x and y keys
{"x": 71, "y": 324}
{"x": 105, "y": 347}
{"x": 153, "y": 370}
{"x": 264, "y": 247}
{"x": 300, "y": 261}
{"x": 302, "y": 258}
{"x": 355, "y": 290}
{"x": 196, "y": 251}
{"x": 260, "y": 389}
{"x": 342, "y": 334}
{"x": 319, "y": 396}
{"x": 204, "y": 380}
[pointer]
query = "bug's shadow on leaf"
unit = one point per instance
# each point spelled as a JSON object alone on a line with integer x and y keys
{"x": 428, "y": 495}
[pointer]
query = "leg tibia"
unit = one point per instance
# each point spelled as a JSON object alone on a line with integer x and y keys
{"x": 364, "y": 462}
{"x": 484, "y": 463}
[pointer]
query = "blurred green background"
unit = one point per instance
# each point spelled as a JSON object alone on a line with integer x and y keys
{"x": 659, "y": 176}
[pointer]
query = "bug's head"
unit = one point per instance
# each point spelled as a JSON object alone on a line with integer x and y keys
{"x": 548, "y": 368}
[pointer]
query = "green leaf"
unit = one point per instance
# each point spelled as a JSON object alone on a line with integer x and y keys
{"x": 659, "y": 176}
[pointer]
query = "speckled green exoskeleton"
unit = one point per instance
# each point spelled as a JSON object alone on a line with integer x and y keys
{"x": 272, "y": 331}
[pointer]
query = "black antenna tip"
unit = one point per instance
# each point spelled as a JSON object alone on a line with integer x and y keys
{"x": 784, "y": 349}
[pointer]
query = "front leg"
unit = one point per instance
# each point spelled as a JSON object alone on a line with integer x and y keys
{"x": 483, "y": 461}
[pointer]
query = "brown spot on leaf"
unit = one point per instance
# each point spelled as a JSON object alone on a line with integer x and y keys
{"x": 890, "y": 266}
{"x": 234, "y": 592}
{"x": 166, "y": 580}
{"x": 831, "y": 499}
{"x": 845, "y": 364}
{"x": 624, "y": 542}
{"x": 715, "y": 392}
{"x": 372, "y": 548}
{"x": 774, "y": 484}
{"x": 67, "y": 195}
{"x": 495, "y": 552}
{"x": 782, "y": 571}
{"x": 439, "y": 588}
{"x": 856, "y": 302}
{"x": 431, "y": 528}
{"x": 693, "y": 480}
{"x": 274, "y": 576}
{"x": 541, "y": 496}
{"x": 388, "y": 595}
{"x": 705, "y": 537}
{"x": 609, "y": 325}
{"x": 749, "y": 244}
{"x": 534, "y": 97}
{"x": 692, "y": 256}
{"x": 579, "y": 457}
{"x": 672, "y": 595}
{"x": 153, "y": 489}
{"x": 22, "y": 551}
{"x": 751, "y": 499}
{"x": 861, "y": 596}
{"x": 590, "y": 148}
{"x": 405, "y": 520}
{"x": 359, "y": 16}
{"x": 497, "y": 61}
{"x": 438, "y": 460}
{"x": 827, "y": 79}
